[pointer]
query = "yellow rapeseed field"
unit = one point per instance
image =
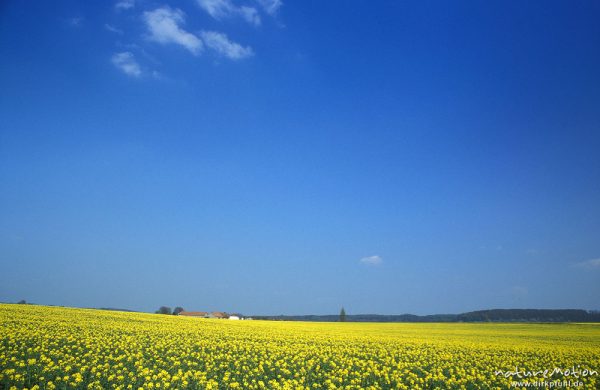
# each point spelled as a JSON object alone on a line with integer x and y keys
{"x": 61, "y": 348}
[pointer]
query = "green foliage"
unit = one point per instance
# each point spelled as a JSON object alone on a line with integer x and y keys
{"x": 177, "y": 310}
{"x": 164, "y": 310}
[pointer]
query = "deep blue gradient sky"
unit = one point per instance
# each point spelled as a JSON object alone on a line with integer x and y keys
{"x": 388, "y": 157}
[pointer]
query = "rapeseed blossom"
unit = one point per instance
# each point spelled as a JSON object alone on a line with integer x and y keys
{"x": 62, "y": 348}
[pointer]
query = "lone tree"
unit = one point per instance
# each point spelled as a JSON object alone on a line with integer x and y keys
{"x": 177, "y": 310}
{"x": 342, "y": 315}
{"x": 164, "y": 310}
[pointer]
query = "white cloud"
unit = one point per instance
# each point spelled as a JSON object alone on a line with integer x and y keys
{"x": 124, "y": 4}
{"x": 589, "y": 264}
{"x": 112, "y": 28}
{"x": 270, "y": 6}
{"x": 164, "y": 26}
{"x": 126, "y": 62}
{"x": 221, "y": 9}
{"x": 372, "y": 260}
{"x": 250, "y": 15}
{"x": 221, "y": 44}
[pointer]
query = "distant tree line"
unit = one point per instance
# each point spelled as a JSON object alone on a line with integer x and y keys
{"x": 530, "y": 315}
{"x": 167, "y": 310}
{"x": 495, "y": 315}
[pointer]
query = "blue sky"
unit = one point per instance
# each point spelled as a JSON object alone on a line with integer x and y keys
{"x": 271, "y": 157}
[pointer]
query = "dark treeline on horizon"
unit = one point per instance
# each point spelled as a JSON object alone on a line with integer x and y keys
{"x": 494, "y": 315}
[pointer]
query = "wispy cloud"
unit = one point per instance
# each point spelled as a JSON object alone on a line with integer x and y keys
{"x": 222, "y": 9}
{"x": 270, "y": 6}
{"x": 589, "y": 264}
{"x": 124, "y": 4}
{"x": 164, "y": 25}
{"x": 125, "y": 61}
{"x": 371, "y": 260}
{"x": 113, "y": 29}
{"x": 76, "y": 21}
{"x": 222, "y": 45}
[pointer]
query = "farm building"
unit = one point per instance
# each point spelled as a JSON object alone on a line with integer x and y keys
{"x": 214, "y": 314}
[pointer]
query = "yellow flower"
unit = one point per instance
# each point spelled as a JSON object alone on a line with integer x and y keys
{"x": 93, "y": 349}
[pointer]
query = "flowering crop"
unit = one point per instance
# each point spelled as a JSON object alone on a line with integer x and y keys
{"x": 62, "y": 348}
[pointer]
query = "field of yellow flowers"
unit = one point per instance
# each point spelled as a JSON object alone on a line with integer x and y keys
{"x": 62, "y": 348}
